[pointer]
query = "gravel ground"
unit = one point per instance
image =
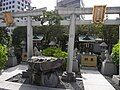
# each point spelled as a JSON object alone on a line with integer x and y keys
{"x": 109, "y": 79}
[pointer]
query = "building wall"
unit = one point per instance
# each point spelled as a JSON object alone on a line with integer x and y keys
{"x": 69, "y": 3}
{"x": 15, "y": 6}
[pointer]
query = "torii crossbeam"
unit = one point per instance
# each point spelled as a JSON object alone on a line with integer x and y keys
{"x": 73, "y": 12}
{"x": 29, "y": 24}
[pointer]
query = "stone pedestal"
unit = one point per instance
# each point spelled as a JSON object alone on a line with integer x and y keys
{"x": 12, "y": 61}
{"x": 116, "y": 79}
{"x": 68, "y": 77}
{"x": 75, "y": 66}
{"x": 108, "y": 68}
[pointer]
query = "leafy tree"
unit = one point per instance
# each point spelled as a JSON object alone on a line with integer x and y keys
{"x": 110, "y": 35}
{"x": 19, "y": 34}
{"x": 51, "y": 17}
{"x": 5, "y": 38}
{"x": 53, "y": 30}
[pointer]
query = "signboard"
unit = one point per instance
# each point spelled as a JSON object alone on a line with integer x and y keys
{"x": 99, "y": 13}
{"x": 8, "y": 18}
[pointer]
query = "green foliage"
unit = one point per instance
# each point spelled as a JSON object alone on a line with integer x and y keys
{"x": 115, "y": 55}
{"x": 54, "y": 52}
{"x": 5, "y": 38}
{"x": 51, "y": 16}
{"x": 58, "y": 53}
{"x": 3, "y": 56}
{"x": 19, "y": 34}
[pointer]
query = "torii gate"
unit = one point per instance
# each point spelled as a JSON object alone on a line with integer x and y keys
{"x": 29, "y": 14}
{"x": 73, "y": 12}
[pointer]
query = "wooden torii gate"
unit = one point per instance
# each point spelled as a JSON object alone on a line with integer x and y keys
{"x": 29, "y": 14}
{"x": 73, "y": 12}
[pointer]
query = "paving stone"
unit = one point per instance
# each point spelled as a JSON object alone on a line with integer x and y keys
{"x": 92, "y": 80}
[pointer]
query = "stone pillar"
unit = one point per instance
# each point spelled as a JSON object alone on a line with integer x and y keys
{"x": 69, "y": 76}
{"x": 29, "y": 38}
{"x": 71, "y": 44}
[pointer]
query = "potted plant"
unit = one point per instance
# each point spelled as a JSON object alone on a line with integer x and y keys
{"x": 3, "y": 56}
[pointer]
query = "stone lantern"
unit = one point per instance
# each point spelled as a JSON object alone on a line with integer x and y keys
{"x": 23, "y": 43}
{"x": 103, "y": 47}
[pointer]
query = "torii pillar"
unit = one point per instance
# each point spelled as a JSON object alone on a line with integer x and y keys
{"x": 71, "y": 44}
{"x": 69, "y": 76}
{"x": 29, "y": 37}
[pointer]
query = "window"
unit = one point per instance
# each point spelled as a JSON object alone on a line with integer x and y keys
{"x": 9, "y": 2}
{"x": 13, "y": 1}
{"x": 18, "y": 2}
{"x": 22, "y": 9}
{"x": 18, "y": 7}
{"x": 22, "y": 4}
{"x": 3, "y": 8}
{"x": 12, "y": 10}
{"x": 13, "y": 6}
{"x": 9, "y": 7}
{"x": 3, "y": 4}
{"x": 25, "y": 2}
{"x": 28, "y": 3}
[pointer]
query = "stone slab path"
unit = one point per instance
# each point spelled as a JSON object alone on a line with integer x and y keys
{"x": 92, "y": 80}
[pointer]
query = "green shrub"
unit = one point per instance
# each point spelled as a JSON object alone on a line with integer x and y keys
{"x": 115, "y": 53}
{"x": 54, "y": 52}
{"x": 3, "y": 56}
{"x": 58, "y": 53}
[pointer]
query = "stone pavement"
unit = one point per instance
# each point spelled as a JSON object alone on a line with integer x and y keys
{"x": 5, "y": 85}
{"x": 92, "y": 80}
